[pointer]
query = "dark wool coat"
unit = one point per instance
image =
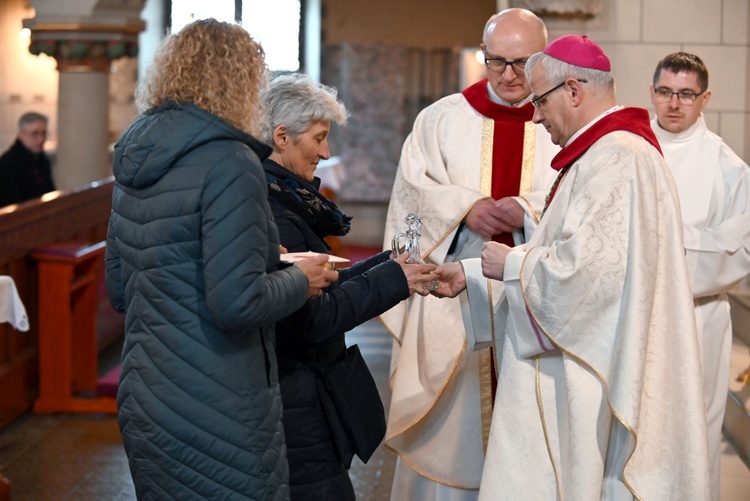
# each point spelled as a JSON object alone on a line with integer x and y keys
{"x": 23, "y": 175}
{"x": 315, "y": 335}
{"x": 191, "y": 259}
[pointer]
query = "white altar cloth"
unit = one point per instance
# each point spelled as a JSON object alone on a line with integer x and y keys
{"x": 11, "y": 307}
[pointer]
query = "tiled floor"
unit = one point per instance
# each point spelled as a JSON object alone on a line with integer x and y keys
{"x": 735, "y": 476}
{"x": 75, "y": 457}
{"x": 80, "y": 457}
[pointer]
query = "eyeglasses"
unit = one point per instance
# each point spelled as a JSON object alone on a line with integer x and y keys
{"x": 686, "y": 97}
{"x": 34, "y": 133}
{"x": 538, "y": 101}
{"x": 499, "y": 65}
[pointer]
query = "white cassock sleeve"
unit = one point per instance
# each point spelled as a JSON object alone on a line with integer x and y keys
{"x": 487, "y": 304}
{"x": 719, "y": 257}
{"x": 476, "y": 307}
{"x": 528, "y": 338}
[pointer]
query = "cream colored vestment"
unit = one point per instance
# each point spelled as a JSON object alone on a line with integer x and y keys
{"x": 714, "y": 188}
{"x": 597, "y": 397}
{"x": 435, "y": 419}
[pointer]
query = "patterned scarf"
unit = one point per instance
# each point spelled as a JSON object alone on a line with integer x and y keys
{"x": 323, "y": 216}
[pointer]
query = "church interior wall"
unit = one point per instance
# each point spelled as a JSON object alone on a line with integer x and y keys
{"x": 636, "y": 34}
{"x": 426, "y": 24}
{"x": 27, "y": 82}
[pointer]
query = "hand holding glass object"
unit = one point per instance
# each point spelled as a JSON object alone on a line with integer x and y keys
{"x": 409, "y": 242}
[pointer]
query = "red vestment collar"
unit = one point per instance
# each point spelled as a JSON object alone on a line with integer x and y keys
{"x": 635, "y": 120}
{"x": 478, "y": 97}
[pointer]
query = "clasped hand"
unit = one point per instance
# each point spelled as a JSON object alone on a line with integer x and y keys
{"x": 490, "y": 217}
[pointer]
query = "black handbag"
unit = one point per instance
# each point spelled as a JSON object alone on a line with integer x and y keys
{"x": 352, "y": 406}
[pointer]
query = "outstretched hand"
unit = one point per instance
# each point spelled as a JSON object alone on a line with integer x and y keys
{"x": 317, "y": 274}
{"x": 451, "y": 281}
{"x": 493, "y": 259}
{"x": 417, "y": 275}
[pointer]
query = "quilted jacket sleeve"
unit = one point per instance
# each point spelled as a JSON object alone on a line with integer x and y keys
{"x": 351, "y": 303}
{"x": 362, "y": 266}
{"x": 238, "y": 239}
{"x": 113, "y": 267}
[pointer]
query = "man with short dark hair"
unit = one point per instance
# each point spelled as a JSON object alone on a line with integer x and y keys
{"x": 25, "y": 171}
{"x": 714, "y": 188}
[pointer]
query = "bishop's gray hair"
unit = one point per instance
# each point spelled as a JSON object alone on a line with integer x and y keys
{"x": 558, "y": 71}
{"x": 296, "y": 101}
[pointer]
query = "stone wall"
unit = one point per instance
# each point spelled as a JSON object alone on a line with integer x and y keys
{"x": 371, "y": 83}
{"x": 637, "y": 34}
{"x": 383, "y": 87}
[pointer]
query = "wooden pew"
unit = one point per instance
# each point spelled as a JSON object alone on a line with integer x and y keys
{"x": 79, "y": 215}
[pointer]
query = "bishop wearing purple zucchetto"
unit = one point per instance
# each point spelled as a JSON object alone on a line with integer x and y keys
{"x": 595, "y": 334}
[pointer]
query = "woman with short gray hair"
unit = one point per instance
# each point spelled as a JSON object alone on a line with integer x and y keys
{"x": 322, "y": 436}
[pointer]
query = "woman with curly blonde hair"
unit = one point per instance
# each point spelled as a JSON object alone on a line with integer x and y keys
{"x": 216, "y": 66}
{"x": 193, "y": 262}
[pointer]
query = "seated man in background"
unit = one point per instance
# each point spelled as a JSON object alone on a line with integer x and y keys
{"x": 25, "y": 171}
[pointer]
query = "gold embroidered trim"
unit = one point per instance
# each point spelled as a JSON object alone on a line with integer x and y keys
{"x": 427, "y": 475}
{"x": 393, "y": 334}
{"x": 449, "y": 230}
{"x": 583, "y": 363}
{"x": 540, "y": 404}
{"x": 532, "y": 211}
{"x": 485, "y": 172}
{"x": 527, "y": 165}
{"x": 485, "y": 359}
{"x": 439, "y": 393}
{"x": 492, "y": 323}
{"x": 485, "y": 391}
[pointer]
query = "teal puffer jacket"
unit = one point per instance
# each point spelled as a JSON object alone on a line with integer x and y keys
{"x": 192, "y": 256}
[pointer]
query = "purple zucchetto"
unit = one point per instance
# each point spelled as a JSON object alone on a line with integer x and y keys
{"x": 579, "y": 51}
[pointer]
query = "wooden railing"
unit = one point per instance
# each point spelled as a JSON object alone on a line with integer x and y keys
{"x": 79, "y": 215}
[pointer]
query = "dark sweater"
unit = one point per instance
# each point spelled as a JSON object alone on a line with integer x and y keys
{"x": 315, "y": 335}
{"x": 23, "y": 175}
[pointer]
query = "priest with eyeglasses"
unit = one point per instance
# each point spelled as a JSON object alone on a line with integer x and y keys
{"x": 474, "y": 168}
{"x": 714, "y": 188}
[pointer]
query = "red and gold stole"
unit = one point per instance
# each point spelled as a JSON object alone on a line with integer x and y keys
{"x": 634, "y": 120}
{"x": 508, "y": 142}
{"x": 507, "y": 147}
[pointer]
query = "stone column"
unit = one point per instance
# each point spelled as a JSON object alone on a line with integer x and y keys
{"x": 84, "y": 37}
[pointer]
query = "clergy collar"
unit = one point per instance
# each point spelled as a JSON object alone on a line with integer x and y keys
{"x": 478, "y": 97}
{"x": 497, "y": 99}
{"x": 633, "y": 120}
{"x": 679, "y": 137}
{"x": 591, "y": 123}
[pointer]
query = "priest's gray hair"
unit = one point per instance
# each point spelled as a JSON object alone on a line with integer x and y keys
{"x": 558, "y": 71}
{"x": 296, "y": 101}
